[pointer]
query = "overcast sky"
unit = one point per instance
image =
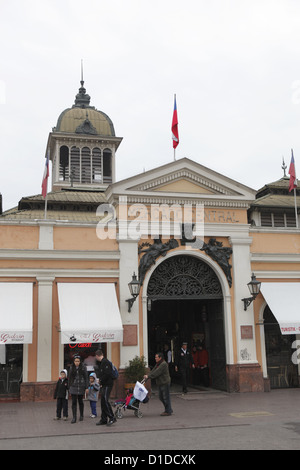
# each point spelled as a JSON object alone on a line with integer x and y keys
{"x": 234, "y": 66}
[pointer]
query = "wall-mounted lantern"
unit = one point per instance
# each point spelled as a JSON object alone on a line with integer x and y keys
{"x": 134, "y": 288}
{"x": 254, "y": 289}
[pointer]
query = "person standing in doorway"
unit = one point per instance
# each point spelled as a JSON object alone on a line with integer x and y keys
{"x": 203, "y": 363}
{"x": 196, "y": 370}
{"x": 78, "y": 386}
{"x": 104, "y": 372}
{"x": 182, "y": 365}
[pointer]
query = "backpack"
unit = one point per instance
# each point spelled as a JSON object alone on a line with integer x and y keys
{"x": 114, "y": 371}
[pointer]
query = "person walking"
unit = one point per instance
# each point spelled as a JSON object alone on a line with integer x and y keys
{"x": 160, "y": 372}
{"x": 182, "y": 365}
{"x": 78, "y": 386}
{"x": 104, "y": 369}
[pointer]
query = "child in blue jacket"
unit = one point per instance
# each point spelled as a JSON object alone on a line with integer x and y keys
{"x": 93, "y": 395}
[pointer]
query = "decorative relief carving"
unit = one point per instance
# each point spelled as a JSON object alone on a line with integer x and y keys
{"x": 221, "y": 255}
{"x": 213, "y": 249}
{"x": 86, "y": 128}
{"x": 153, "y": 252}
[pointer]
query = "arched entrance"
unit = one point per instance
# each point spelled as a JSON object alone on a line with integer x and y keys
{"x": 185, "y": 303}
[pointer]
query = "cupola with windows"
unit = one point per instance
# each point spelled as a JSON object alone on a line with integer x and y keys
{"x": 274, "y": 206}
{"x": 82, "y": 147}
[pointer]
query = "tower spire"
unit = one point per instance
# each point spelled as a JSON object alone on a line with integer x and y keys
{"x": 82, "y": 81}
{"x": 82, "y": 99}
{"x": 284, "y": 167}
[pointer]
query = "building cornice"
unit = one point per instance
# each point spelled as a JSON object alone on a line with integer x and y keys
{"x": 59, "y": 255}
{"x": 275, "y": 258}
{"x": 59, "y": 273}
{"x": 173, "y": 198}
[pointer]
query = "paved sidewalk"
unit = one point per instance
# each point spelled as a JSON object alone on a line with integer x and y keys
{"x": 216, "y": 412}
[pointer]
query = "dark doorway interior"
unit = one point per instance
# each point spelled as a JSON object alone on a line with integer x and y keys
{"x": 196, "y": 321}
{"x": 282, "y": 372}
{"x": 11, "y": 369}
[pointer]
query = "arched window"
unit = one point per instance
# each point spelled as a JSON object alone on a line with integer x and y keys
{"x": 63, "y": 163}
{"x": 107, "y": 166}
{"x": 96, "y": 166}
{"x": 75, "y": 165}
{"x": 85, "y": 165}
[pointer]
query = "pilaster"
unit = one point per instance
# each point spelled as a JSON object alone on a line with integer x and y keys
{"x": 241, "y": 269}
{"x": 128, "y": 264}
{"x": 45, "y": 284}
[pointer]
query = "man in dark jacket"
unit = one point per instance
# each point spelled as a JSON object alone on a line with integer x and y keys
{"x": 104, "y": 373}
{"x": 160, "y": 372}
{"x": 183, "y": 362}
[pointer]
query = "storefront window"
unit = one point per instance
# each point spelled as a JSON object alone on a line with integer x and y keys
{"x": 11, "y": 367}
{"x": 87, "y": 353}
{"x": 281, "y": 370}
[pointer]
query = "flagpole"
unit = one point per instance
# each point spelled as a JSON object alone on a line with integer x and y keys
{"x": 45, "y": 183}
{"x": 293, "y": 184}
{"x": 174, "y": 148}
{"x": 296, "y": 214}
{"x": 46, "y": 203}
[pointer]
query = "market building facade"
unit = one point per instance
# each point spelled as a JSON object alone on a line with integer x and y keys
{"x": 191, "y": 235}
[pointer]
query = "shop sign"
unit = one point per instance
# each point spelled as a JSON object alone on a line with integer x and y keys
{"x": 89, "y": 338}
{"x": 80, "y": 345}
{"x": 15, "y": 338}
{"x": 289, "y": 330}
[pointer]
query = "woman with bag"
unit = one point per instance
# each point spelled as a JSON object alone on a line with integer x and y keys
{"x": 160, "y": 372}
{"x": 78, "y": 386}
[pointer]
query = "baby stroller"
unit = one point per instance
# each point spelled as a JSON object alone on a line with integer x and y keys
{"x": 132, "y": 401}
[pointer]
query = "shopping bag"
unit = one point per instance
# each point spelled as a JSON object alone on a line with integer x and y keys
{"x": 140, "y": 392}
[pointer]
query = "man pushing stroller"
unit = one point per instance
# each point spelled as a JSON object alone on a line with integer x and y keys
{"x": 160, "y": 372}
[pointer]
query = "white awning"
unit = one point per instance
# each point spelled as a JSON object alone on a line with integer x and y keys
{"x": 16, "y": 312}
{"x": 283, "y": 299}
{"x": 89, "y": 313}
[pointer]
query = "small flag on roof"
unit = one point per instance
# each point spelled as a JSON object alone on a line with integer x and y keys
{"x": 292, "y": 173}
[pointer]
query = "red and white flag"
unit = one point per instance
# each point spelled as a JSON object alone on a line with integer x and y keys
{"x": 175, "y": 135}
{"x": 292, "y": 173}
{"x": 45, "y": 177}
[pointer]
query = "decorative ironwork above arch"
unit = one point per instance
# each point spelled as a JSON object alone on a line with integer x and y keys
{"x": 184, "y": 277}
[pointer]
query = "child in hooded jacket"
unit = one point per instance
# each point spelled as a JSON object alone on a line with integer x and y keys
{"x": 93, "y": 394}
{"x": 61, "y": 394}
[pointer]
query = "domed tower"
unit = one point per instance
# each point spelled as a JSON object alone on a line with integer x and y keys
{"x": 82, "y": 147}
